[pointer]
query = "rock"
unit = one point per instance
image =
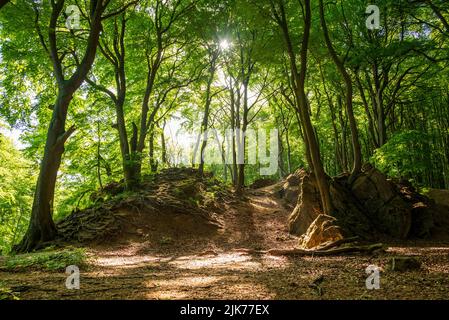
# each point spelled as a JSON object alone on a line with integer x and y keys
{"x": 440, "y": 217}
{"x": 371, "y": 207}
{"x": 350, "y": 213}
{"x": 441, "y": 197}
{"x": 323, "y": 229}
{"x": 388, "y": 212}
{"x": 291, "y": 196}
{"x": 401, "y": 264}
{"x": 422, "y": 221}
{"x": 307, "y": 208}
{"x": 290, "y": 189}
{"x": 394, "y": 218}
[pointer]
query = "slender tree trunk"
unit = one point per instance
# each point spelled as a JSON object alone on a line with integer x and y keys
{"x": 127, "y": 161}
{"x": 289, "y": 157}
{"x": 344, "y": 144}
{"x": 153, "y": 161}
{"x": 302, "y": 106}
{"x": 242, "y": 141}
{"x": 381, "y": 119}
{"x": 281, "y": 156}
{"x": 367, "y": 112}
{"x": 99, "y": 155}
{"x": 233, "y": 137}
{"x": 208, "y": 102}
{"x": 357, "y": 150}
{"x": 164, "y": 146}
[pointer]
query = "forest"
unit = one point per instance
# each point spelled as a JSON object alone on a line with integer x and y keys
{"x": 224, "y": 149}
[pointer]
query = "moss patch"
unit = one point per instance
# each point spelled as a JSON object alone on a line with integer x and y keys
{"x": 51, "y": 260}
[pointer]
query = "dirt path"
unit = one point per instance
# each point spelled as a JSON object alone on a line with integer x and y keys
{"x": 217, "y": 268}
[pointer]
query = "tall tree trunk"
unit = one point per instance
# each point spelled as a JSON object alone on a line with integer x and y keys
{"x": 289, "y": 157}
{"x": 281, "y": 156}
{"x": 367, "y": 112}
{"x": 145, "y": 121}
{"x": 242, "y": 140}
{"x": 357, "y": 150}
{"x": 301, "y": 98}
{"x": 42, "y": 228}
{"x": 233, "y": 136}
{"x": 343, "y": 128}
{"x": 153, "y": 161}
{"x": 124, "y": 144}
{"x": 164, "y": 146}
{"x": 208, "y": 101}
{"x": 382, "y": 128}
{"x": 99, "y": 155}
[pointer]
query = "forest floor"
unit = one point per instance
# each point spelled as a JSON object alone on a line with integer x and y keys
{"x": 217, "y": 267}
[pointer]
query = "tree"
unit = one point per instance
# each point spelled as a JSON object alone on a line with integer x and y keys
{"x": 213, "y": 54}
{"x": 42, "y": 228}
{"x": 113, "y": 50}
{"x": 349, "y": 96}
{"x": 16, "y": 193}
{"x": 298, "y": 80}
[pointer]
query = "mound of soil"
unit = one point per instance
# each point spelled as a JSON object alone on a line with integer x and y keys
{"x": 372, "y": 207}
{"x": 173, "y": 204}
{"x": 262, "y": 183}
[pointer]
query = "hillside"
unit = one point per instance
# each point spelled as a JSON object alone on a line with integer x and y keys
{"x": 160, "y": 243}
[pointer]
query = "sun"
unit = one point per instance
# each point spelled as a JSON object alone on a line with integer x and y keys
{"x": 225, "y": 45}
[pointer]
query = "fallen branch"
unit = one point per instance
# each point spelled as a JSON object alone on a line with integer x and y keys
{"x": 329, "y": 245}
{"x": 317, "y": 252}
{"x": 328, "y": 252}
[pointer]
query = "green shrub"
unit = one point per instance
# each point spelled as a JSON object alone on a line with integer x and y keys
{"x": 404, "y": 155}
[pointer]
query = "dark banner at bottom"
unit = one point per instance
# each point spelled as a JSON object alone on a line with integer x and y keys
{"x": 226, "y": 309}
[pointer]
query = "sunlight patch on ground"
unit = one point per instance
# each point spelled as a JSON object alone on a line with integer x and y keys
{"x": 210, "y": 287}
{"x": 227, "y": 260}
{"x": 264, "y": 204}
{"x": 131, "y": 261}
{"x": 205, "y": 281}
{"x": 180, "y": 288}
{"x": 437, "y": 269}
{"x": 168, "y": 295}
{"x": 261, "y": 208}
{"x": 232, "y": 261}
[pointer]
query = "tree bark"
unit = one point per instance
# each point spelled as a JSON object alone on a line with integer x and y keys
{"x": 3, "y": 2}
{"x": 208, "y": 101}
{"x": 153, "y": 161}
{"x": 242, "y": 140}
{"x": 301, "y": 98}
{"x": 357, "y": 150}
{"x": 42, "y": 228}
